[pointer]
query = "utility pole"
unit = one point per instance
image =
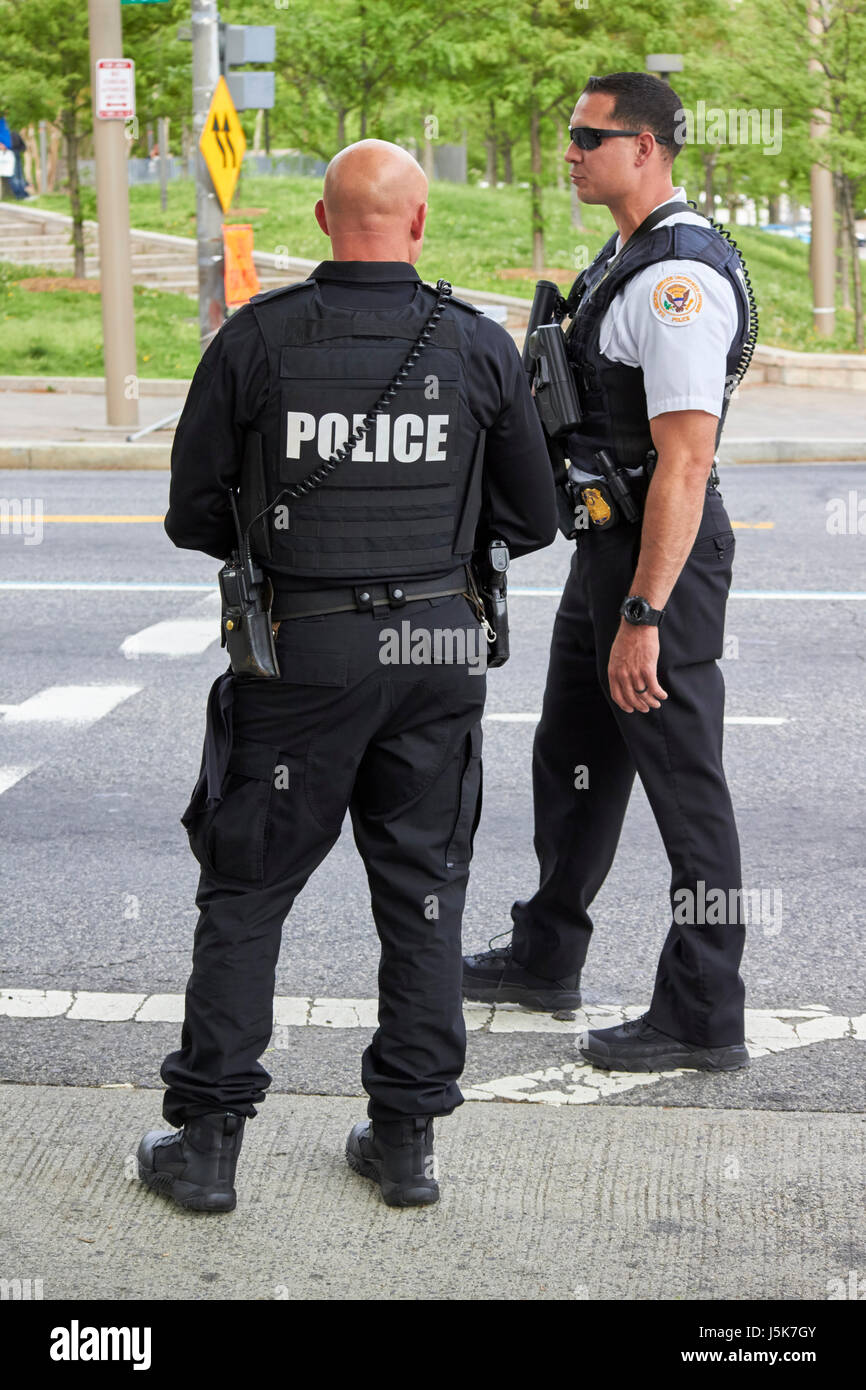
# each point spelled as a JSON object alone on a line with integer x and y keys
{"x": 823, "y": 237}
{"x": 205, "y": 75}
{"x": 112, "y": 196}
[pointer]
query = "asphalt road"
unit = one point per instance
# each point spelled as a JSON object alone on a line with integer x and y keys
{"x": 97, "y": 882}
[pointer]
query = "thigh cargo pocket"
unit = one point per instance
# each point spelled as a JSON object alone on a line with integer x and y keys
{"x": 459, "y": 851}
{"x": 697, "y": 605}
{"x": 231, "y": 839}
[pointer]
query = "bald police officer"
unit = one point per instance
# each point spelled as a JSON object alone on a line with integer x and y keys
{"x": 388, "y": 730}
{"x": 659, "y": 333}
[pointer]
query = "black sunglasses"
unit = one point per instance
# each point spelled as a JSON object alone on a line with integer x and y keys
{"x": 588, "y": 138}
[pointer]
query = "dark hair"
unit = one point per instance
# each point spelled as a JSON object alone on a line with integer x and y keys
{"x": 645, "y": 102}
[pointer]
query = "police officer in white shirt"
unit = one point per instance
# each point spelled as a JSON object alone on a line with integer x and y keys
{"x": 660, "y": 332}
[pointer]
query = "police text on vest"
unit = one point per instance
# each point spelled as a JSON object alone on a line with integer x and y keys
{"x": 401, "y": 439}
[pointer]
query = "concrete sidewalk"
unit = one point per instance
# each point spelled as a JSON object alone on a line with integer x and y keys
{"x": 64, "y": 427}
{"x": 537, "y": 1203}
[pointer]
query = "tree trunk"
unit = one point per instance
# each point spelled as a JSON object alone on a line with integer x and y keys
{"x": 507, "y": 166}
{"x": 53, "y": 151}
{"x": 709, "y": 161}
{"x": 70, "y": 131}
{"x": 426, "y": 150}
{"x": 560, "y": 151}
{"x": 733, "y": 199}
{"x": 341, "y": 127}
{"x": 774, "y": 209}
{"x": 848, "y": 206}
{"x": 843, "y": 269}
{"x": 490, "y": 146}
{"x": 536, "y": 212}
{"x": 32, "y": 167}
{"x": 362, "y": 15}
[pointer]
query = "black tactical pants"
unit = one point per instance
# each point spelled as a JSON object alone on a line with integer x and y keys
{"x": 676, "y": 751}
{"x": 399, "y": 746}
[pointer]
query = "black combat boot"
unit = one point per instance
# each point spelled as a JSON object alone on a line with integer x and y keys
{"x": 494, "y": 977}
{"x": 195, "y": 1164}
{"x": 398, "y": 1155}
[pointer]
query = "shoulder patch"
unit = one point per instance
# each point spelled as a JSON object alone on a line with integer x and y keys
{"x": 676, "y": 299}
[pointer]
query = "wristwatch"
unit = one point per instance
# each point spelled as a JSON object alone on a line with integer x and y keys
{"x": 637, "y": 611}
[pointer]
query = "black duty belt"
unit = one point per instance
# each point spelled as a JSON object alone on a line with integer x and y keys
{"x": 599, "y": 500}
{"x": 364, "y": 598}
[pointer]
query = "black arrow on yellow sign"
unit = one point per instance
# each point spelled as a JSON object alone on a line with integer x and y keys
{"x": 225, "y": 129}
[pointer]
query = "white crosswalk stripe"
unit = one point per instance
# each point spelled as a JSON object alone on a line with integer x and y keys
{"x": 69, "y": 704}
{"x": 569, "y": 1082}
{"x": 176, "y": 637}
{"x": 10, "y": 775}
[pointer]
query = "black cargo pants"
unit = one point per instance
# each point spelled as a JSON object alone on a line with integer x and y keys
{"x": 399, "y": 746}
{"x": 676, "y": 751}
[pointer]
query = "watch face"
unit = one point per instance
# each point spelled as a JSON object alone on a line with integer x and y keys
{"x": 636, "y": 609}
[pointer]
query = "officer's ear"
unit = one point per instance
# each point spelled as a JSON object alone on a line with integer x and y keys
{"x": 418, "y": 221}
{"x": 644, "y": 147}
{"x": 321, "y": 218}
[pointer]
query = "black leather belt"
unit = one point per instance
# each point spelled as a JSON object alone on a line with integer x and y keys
{"x": 364, "y": 598}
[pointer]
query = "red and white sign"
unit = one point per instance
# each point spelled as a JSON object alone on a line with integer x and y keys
{"x": 115, "y": 89}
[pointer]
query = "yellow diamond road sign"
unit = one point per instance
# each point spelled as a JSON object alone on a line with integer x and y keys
{"x": 223, "y": 143}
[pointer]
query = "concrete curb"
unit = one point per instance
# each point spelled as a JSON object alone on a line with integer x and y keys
{"x": 92, "y": 385}
{"x": 81, "y": 453}
{"x": 119, "y": 456}
{"x": 768, "y": 450}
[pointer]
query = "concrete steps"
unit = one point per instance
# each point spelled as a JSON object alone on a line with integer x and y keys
{"x": 34, "y": 236}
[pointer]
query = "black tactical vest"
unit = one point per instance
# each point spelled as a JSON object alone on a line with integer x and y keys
{"x": 612, "y": 395}
{"x": 406, "y": 502}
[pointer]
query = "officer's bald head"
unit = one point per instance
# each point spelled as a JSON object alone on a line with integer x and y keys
{"x": 374, "y": 203}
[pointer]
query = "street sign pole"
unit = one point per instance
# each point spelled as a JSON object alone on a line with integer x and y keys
{"x": 112, "y": 196}
{"x": 205, "y": 75}
{"x": 822, "y": 250}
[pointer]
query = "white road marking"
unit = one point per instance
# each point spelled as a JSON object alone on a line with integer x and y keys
{"x": 70, "y": 704}
{"x": 175, "y": 637}
{"x": 161, "y": 1008}
{"x": 533, "y": 716}
{"x": 10, "y": 775}
{"x": 35, "y": 1003}
{"x": 570, "y": 1082}
{"x": 105, "y": 1008}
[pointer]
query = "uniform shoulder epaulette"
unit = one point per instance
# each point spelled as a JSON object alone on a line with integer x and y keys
{"x": 453, "y": 299}
{"x": 464, "y": 304}
{"x": 281, "y": 289}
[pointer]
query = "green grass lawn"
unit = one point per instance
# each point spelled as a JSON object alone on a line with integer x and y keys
{"x": 59, "y": 332}
{"x": 472, "y": 233}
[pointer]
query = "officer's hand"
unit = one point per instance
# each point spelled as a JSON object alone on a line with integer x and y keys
{"x": 631, "y": 670}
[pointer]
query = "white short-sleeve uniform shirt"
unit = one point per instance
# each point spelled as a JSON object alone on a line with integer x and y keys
{"x": 675, "y": 320}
